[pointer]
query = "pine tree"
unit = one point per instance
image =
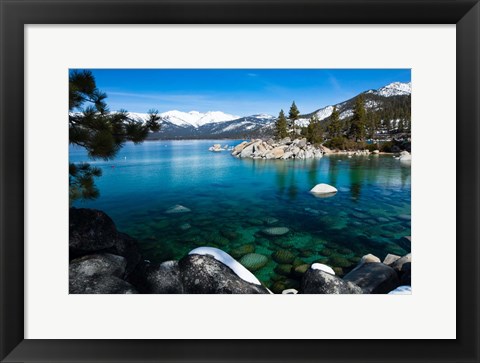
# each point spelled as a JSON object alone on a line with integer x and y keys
{"x": 281, "y": 126}
{"x": 335, "y": 127}
{"x": 314, "y": 130}
{"x": 101, "y": 132}
{"x": 293, "y": 116}
{"x": 358, "y": 121}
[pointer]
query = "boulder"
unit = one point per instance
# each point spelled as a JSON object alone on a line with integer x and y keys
{"x": 376, "y": 152}
{"x": 275, "y": 231}
{"x": 99, "y": 284}
{"x": 369, "y": 259}
{"x": 401, "y": 290}
{"x": 203, "y": 274}
{"x": 321, "y": 282}
{"x": 323, "y": 189}
{"x": 286, "y": 155}
{"x": 277, "y": 152}
{"x": 254, "y": 261}
{"x": 301, "y": 143}
{"x": 373, "y": 278}
{"x": 98, "y": 264}
{"x": 405, "y": 242}
{"x": 127, "y": 247}
{"x": 90, "y": 230}
{"x": 283, "y": 256}
{"x": 398, "y": 264}
{"x": 238, "y": 149}
{"x": 176, "y": 209}
{"x": 162, "y": 279}
{"x": 389, "y": 259}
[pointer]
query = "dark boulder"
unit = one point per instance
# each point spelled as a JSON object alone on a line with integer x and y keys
{"x": 374, "y": 278}
{"x": 99, "y": 284}
{"x": 98, "y": 264}
{"x": 321, "y": 282}
{"x": 90, "y": 230}
{"x": 93, "y": 231}
{"x": 161, "y": 278}
{"x": 203, "y": 274}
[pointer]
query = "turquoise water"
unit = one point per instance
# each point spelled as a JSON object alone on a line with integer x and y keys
{"x": 232, "y": 200}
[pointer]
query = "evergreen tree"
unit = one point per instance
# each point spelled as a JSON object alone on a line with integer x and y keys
{"x": 101, "y": 132}
{"x": 281, "y": 126}
{"x": 314, "y": 132}
{"x": 293, "y": 116}
{"x": 335, "y": 127}
{"x": 358, "y": 121}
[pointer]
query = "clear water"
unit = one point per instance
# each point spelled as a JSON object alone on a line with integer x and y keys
{"x": 232, "y": 200}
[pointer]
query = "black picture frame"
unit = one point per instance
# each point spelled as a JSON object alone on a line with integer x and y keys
{"x": 15, "y": 14}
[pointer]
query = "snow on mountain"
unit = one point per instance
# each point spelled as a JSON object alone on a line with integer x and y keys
{"x": 394, "y": 89}
{"x": 195, "y": 118}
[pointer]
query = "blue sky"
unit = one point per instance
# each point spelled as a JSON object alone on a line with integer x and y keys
{"x": 238, "y": 91}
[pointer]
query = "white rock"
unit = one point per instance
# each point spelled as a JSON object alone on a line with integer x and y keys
{"x": 405, "y": 157}
{"x": 401, "y": 290}
{"x": 370, "y": 259}
{"x": 227, "y": 260}
{"x": 322, "y": 267}
{"x": 323, "y": 189}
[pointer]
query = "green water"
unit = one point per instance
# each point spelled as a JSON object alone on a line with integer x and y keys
{"x": 233, "y": 200}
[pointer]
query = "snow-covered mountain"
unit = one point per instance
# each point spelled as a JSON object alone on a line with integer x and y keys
{"x": 394, "y": 89}
{"x": 217, "y": 124}
{"x": 195, "y": 118}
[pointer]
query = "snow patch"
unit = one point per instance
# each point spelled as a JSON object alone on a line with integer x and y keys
{"x": 322, "y": 267}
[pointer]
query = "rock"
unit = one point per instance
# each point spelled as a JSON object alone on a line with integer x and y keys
{"x": 238, "y": 149}
{"x": 389, "y": 259}
{"x": 283, "y": 269}
{"x": 283, "y": 256}
{"x": 203, "y": 274}
{"x": 163, "y": 279}
{"x": 185, "y": 226}
{"x": 271, "y": 220}
{"x": 249, "y": 149}
{"x": 99, "y": 284}
{"x": 278, "y": 287}
{"x": 177, "y": 209}
{"x": 323, "y": 189}
{"x": 373, "y": 278}
{"x": 285, "y": 140}
{"x": 90, "y": 230}
{"x": 406, "y": 274}
{"x": 326, "y": 150}
{"x": 322, "y": 267}
{"x": 254, "y": 261}
{"x": 376, "y": 152}
{"x": 321, "y": 282}
{"x": 127, "y": 247}
{"x": 277, "y": 152}
{"x": 301, "y": 143}
{"x": 300, "y": 270}
{"x": 275, "y": 231}
{"x": 242, "y": 250}
{"x": 369, "y": 259}
{"x": 339, "y": 261}
{"x": 398, "y": 264}
{"x": 98, "y": 264}
{"x": 401, "y": 290}
{"x": 286, "y": 155}
{"x": 290, "y": 292}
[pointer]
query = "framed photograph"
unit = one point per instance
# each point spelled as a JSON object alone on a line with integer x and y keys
{"x": 204, "y": 160}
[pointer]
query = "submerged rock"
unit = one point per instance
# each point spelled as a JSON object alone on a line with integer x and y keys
{"x": 254, "y": 261}
{"x": 177, "y": 209}
{"x": 374, "y": 278}
{"x": 321, "y": 282}
{"x": 283, "y": 256}
{"x": 242, "y": 250}
{"x": 276, "y": 231}
{"x": 203, "y": 274}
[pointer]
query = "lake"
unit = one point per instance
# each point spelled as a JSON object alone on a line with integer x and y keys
{"x": 232, "y": 201}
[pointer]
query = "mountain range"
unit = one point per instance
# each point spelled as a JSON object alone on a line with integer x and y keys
{"x": 387, "y": 103}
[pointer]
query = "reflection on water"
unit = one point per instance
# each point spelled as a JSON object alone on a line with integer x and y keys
{"x": 232, "y": 200}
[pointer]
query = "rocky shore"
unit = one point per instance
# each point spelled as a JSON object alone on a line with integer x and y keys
{"x": 295, "y": 149}
{"x": 106, "y": 261}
